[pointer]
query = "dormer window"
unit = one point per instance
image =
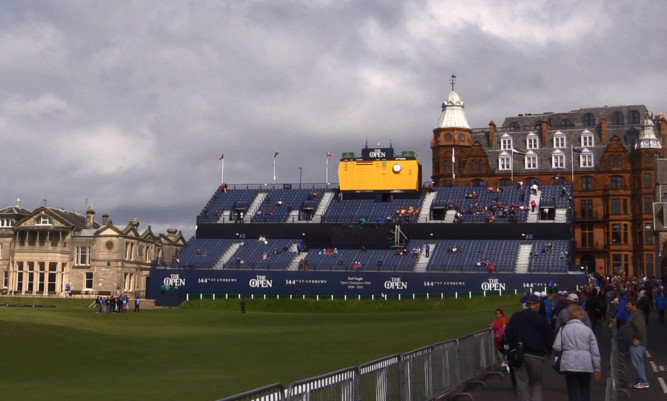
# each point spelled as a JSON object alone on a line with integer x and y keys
{"x": 559, "y": 140}
{"x": 43, "y": 220}
{"x": 532, "y": 141}
{"x": 506, "y": 142}
{"x": 587, "y": 139}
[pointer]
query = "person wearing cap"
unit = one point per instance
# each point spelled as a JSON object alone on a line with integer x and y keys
{"x": 564, "y": 316}
{"x": 537, "y": 336}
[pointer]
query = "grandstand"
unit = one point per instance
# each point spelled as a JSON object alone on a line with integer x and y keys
{"x": 320, "y": 235}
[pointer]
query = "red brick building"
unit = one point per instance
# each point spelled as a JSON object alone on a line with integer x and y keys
{"x": 608, "y": 154}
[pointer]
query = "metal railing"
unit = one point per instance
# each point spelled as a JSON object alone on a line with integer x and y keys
{"x": 420, "y": 375}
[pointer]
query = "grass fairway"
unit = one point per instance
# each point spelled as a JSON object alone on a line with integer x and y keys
{"x": 208, "y": 350}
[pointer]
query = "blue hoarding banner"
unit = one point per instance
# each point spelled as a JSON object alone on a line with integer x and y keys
{"x": 169, "y": 287}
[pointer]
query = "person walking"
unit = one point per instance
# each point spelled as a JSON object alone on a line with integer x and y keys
{"x": 660, "y": 307}
{"x": 530, "y": 328}
{"x": 580, "y": 355}
{"x": 635, "y": 335}
{"x": 137, "y": 302}
{"x": 242, "y": 304}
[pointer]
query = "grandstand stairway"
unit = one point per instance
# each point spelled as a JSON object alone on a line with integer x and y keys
{"x": 523, "y": 258}
{"x": 450, "y": 216}
{"x": 426, "y": 207}
{"x": 254, "y": 206}
{"x": 532, "y": 216}
{"x": 422, "y": 261}
{"x": 561, "y": 216}
{"x": 323, "y": 206}
{"x": 226, "y": 256}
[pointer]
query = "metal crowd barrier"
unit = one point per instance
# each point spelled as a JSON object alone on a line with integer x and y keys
{"x": 420, "y": 375}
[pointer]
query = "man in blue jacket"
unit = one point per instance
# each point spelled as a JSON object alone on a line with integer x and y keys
{"x": 537, "y": 336}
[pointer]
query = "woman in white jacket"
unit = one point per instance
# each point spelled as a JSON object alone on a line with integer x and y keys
{"x": 580, "y": 355}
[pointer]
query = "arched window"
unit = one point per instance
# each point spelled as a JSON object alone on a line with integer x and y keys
{"x": 589, "y": 120}
{"x": 566, "y": 123}
{"x": 479, "y": 183}
{"x": 633, "y": 117}
{"x": 617, "y": 118}
{"x": 514, "y": 126}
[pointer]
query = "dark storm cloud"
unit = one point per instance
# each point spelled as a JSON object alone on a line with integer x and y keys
{"x": 128, "y": 105}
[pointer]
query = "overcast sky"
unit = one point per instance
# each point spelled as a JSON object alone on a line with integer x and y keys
{"x": 129, "y": 104}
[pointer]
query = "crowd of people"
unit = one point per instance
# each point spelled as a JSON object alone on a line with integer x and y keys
{"x": 568, "y": 323}
{"x": 115, "y": 304}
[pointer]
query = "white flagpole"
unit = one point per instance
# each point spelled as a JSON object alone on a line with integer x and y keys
{"x": 453, "y": 164}
{"x": 222, "y": 171}
{"x": 572, "y": 164}
{"x": 327, "y": 169}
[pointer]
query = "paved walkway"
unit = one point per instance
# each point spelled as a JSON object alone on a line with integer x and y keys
{"x": 554, "y": 389}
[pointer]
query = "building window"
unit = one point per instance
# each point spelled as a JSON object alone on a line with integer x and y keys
{"x": 647, "y": 180}
{"x": 559, "y": 142}
{"x": 647, "y": 158}
{"x": 558, "y": 161}
{"x": 589, "y": 120}
{"x": 615, "y": 233}
{"x": 648, "y": 230}
{"x": 504, "y": 163}
{"x": 82, "y": 256}
{"x": 586, "y": 160}
{"x": 649, "y": 263}
{"x": 587, "y": 140}
{"x": 617, "y": 118}
{"x": 616, "y": 182}
{"x": 530, "y": 162}
{"x": 43, "y": 220}
{"x": 473, "y": 165}
{"x": 586, "y": 208}
{"x": 587, "y": 183}
{"x": 5, "y": 279}
{"x": 532, "y": 142}
{"x": 506, "y": 143}
{"x": 587, "y": 235}
{"x": 648, "y": 205}
{"x": 514, "y": 126}
{"x": 505, "y": 182}
{"x": 615, "y": 206}
{"x": 89, "y": 281}
{"x": 633, "y": 117}
{"x": 566, "y": 123}
{"x": 619, "y": 161}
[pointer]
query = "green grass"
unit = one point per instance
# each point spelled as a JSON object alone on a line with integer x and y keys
{"x": 207, "y": 350}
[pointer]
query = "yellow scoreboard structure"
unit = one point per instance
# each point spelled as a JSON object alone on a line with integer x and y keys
{"x": 378, "y": 170}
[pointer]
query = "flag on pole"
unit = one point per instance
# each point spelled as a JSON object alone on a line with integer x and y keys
{"x": 518, "y": 151}
{"x": 222, "y": 157}
{"x": 276, "y": 154}
{"x": 329, "y": 154}
{"x": 453, "y": 155}
{"x": 577, "y": 150}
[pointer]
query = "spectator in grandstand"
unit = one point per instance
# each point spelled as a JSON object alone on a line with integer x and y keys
{"x": 427, "y": 250}
{"x": 635, "y": 336}
{"x": 533, "y": 205}
{"x": 580, "y": 355}
{"x": 528, "y": 327}
{"x": 660, "y": 306}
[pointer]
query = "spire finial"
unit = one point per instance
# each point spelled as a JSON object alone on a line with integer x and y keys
{"x": 452, "y": 80}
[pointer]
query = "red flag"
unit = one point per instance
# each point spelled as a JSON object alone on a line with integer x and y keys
{"x": 328, "y": 154}
{"x": 275, "y": 154}
{"x": 222, "y": 157}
